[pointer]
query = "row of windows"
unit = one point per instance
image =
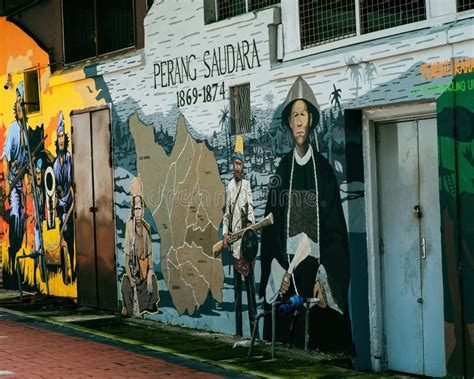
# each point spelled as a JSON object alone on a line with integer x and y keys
{"x": 323, "y": 21}
{"x": 96, "y": 27}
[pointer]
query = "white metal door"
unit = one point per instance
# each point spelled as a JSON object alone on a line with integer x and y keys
{"x": 399, "y": 194}
{"x": 410, "y": 246}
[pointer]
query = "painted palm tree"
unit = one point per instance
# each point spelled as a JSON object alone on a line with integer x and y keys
{"x": 356, "y": 72}
{"x": 224, "y": 119}
{"x": 253, "y": 123}
{"x": 335, "y": 97}
{"x": 369, "y": 73}
{"x": 215, "y": 141}
{"x": 269, "y": 100}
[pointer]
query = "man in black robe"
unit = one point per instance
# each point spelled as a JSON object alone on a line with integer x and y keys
{"x": 305, "y": 251}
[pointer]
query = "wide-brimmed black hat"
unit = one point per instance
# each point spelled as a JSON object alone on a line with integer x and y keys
{"x": 300, "y": 90}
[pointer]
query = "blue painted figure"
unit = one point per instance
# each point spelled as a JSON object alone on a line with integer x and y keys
{"x": 15, "y": 156}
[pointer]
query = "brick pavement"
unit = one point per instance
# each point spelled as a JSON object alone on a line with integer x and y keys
{"x": 31, "y": 349}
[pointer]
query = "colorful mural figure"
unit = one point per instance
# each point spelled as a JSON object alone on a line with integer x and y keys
{"x": 305, "y": 251}
{"x": 62, "y": 167}
{"x": 14, "y": 157}
{"x": 40, "y": 197}
{"x": 239, "y": 213}
{"x": 139, "y": 285}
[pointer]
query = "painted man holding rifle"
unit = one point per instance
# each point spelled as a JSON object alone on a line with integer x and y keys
{"x": 14, "y": 157}
{"x": 238, "y": 214}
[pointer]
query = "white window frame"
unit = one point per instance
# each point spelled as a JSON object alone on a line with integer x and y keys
{"x": 437, "y": 12}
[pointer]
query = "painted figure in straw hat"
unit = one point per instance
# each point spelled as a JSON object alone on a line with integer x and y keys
{"x": 305, "y": 251}
{"x": 14, "y": 157}
{"x": 139, "y": 286}
{"x": 238, "y": 214}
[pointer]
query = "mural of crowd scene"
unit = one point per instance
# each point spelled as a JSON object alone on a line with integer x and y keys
{"x": 37, "y": 228}
{"x": 38, "y": 189}
{"x": 175, "y": 123}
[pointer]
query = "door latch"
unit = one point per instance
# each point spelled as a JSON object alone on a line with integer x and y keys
{"x": 93, "y": 209}
{"x": 423, "y": 248}
{"x": 417, "y": 212}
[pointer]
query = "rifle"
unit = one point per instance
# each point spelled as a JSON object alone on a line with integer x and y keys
{"x": 218, "y": 246}
{"x": 23, "y": 169}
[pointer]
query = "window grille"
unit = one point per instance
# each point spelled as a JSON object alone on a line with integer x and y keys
{"x": 32, "y": 99}
{"x": 230, "y": 8}
{"x": 465, "y": 5}
{"x": 240, "y": 109}
{"x": 259, "y": 4}
{"x": 323, "y": 21}
{"x": 377, "y": 15}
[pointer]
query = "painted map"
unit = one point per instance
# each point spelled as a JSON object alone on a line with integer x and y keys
{"x": 186, "y": 197}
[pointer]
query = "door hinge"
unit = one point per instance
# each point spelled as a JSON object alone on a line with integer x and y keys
{"x": 423, "y": 247}
{"x": 419, "y": 300}
{"x": 381, "y": 247}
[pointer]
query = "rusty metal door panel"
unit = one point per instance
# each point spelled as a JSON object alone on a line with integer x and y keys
{"x": 104, "y": 217}
{"x": 83, "y": 201}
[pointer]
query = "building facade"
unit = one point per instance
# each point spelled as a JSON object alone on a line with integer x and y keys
{"x": 155, "y": 112}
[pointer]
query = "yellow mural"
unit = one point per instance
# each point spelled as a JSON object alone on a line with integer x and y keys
{"x": 60, "y": 92}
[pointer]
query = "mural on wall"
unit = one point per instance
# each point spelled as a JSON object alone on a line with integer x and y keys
{"x": 37, "y": 207}
{"x": 456, "y": 143}
{"x": 305, "y": 252}
{"x": 139, "y": 286}
{"x": 39, "y": 192}
{"x": 173, "y": 115}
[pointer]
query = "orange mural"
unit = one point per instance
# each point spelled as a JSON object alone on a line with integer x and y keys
{"x": 37, "y": 196}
